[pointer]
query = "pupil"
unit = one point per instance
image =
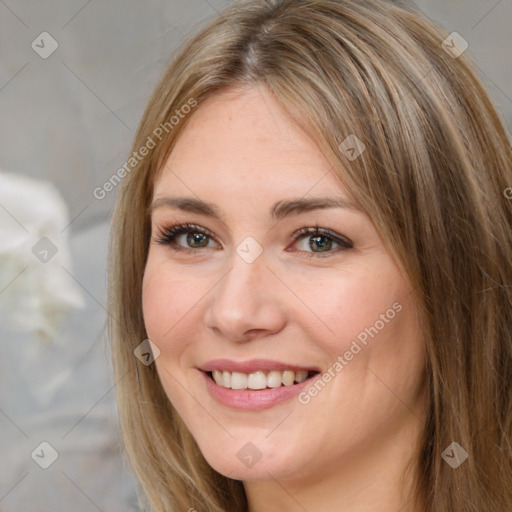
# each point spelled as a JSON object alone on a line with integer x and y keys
{"x": 321, "y": 244}
{"x": 196, "y": 238}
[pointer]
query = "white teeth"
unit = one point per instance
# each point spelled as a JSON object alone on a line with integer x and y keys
{"x": 288, "y": 377}
{"x": 259, "y": 379}
{"x": 301, "y": 376}
{"x": 238, "y": 380}
{"x": 274, "y": 379}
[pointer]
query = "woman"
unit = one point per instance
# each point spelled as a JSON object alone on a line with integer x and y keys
{"x": 315, "y": 237}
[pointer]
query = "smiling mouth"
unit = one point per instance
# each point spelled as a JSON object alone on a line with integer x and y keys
{"x": 260, "y": 380}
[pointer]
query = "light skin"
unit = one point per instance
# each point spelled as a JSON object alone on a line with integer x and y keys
{"x": 346, "y": 449}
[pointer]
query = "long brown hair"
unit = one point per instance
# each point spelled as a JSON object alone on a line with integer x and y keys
{"x": 432, "y": 179}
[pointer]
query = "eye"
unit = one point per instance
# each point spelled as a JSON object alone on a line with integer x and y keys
{"x": 323, "y": 240}
{"x": 196, "y": 236}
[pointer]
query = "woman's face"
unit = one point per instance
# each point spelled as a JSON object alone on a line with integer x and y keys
{"x": 266, "y": 310}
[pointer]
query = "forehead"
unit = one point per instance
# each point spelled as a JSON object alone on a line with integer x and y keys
{"x": 244, "y": 134}
{"x": 242, "y": 148}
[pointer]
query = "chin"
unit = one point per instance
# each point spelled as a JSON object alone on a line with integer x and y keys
{"x": 254, "y": 461}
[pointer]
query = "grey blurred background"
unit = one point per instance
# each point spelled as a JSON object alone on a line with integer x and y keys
{"x": 68, "y": 118}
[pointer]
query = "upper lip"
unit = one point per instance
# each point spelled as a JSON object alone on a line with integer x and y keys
{"x": 252, "y": 365}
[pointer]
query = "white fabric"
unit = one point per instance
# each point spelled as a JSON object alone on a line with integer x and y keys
{"x": 55, "y": 377}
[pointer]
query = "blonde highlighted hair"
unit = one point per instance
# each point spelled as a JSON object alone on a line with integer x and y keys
{"x": 432, "y": 179}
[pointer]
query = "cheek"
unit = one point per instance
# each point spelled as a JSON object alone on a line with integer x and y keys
{"x": 166, "y": 299}
{"x": 348, "y": 304}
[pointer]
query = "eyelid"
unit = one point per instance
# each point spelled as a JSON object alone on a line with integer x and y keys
{"x": 174, "y": 230}
{"x": 316, "y": 230}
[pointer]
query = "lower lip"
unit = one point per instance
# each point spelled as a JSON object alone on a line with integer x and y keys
{"x": 253, "y": 400}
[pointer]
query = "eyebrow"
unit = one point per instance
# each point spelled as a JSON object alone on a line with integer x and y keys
{"x": 279, "y": 210}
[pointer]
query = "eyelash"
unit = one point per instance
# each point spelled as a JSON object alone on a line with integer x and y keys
{"x": 167, "y": 236}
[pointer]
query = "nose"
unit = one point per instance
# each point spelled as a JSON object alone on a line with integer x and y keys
{"x": 245, "y": 304}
